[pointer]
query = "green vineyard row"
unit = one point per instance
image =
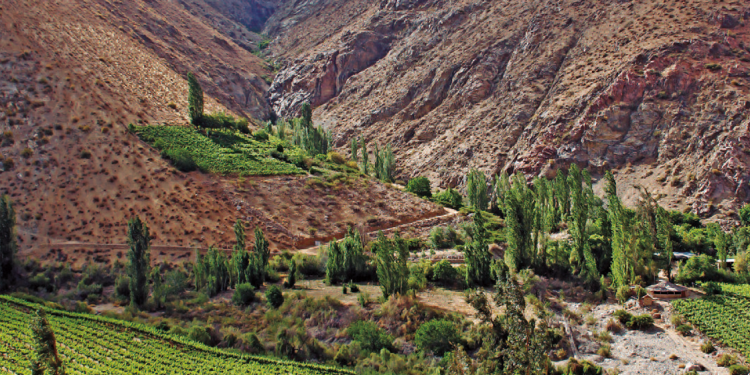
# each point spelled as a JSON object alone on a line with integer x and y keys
{"x": 90, "y": 344}
{"x": 723, "y": 317}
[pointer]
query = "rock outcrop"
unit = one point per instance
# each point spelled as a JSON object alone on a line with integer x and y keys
{"x": 658, "y": 88}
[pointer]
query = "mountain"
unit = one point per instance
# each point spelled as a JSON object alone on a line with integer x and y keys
{"x": 655, "y": 91}
{"x": 75, "y": 73}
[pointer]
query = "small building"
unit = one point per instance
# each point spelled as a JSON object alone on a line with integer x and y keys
{"x": 645, "y": 301}
{"x": 667, "y": 290}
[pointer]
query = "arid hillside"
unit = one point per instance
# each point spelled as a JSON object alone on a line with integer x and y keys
{"x": 657, "y": 91}
{"x": 73, "y": 74}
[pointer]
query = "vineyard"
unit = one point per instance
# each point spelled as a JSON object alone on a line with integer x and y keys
{"x": 222, "y": 151}
{"x": 722, "y": 317}
{"x": 89, "y": 344}
{"x": 742, "y": 290}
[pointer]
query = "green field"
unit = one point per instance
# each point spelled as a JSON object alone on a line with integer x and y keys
{"x": 90, "y": 344}
{"x": 223, "y": 151}
{"x": 722, "y": 317}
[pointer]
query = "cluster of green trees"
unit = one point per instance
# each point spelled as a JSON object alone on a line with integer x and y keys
{"x": 217, "y": 120}
{"x": 314, "y": 140}
{"x": 384, "y": 166}
{"x": 346, "y": 259}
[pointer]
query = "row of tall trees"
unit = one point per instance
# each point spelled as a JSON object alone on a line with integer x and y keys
{"x": 385, "y": 162}
{"x": 314, "y": 140}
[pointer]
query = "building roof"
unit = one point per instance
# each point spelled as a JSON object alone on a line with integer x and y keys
{"x": 666, "y": 286}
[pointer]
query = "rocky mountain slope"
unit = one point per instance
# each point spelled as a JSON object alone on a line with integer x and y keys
{"x": 657, "y": 91}
{"x": 74, "y": 73}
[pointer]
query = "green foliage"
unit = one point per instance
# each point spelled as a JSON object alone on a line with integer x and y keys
{"x": 211, "y": 272}
{"x": 581, "y": 367}
{"x": 195, "y": 99}
{"x": 355, "y": 149}
{"x": 220, "y": 151}
{"x": 274, "y": 296}
{"x": 744, "y": 214}
{"x": 420, "y": 186}
{"x": 708, "y": 347}
{"x": 738, "y": 370}
{"x": 477, "y": 255}
{"x": 392, "y": 270}
{"x": 623, "y": 316}
{"x": 437, "y": 336}
{"x": 88, "y": 341}
{"x": 726, "y": 360}
{"x": 370, "y": 336}
{"x": 8, "y": 244}
{"x": 513, "y": 343}
{"x": 623, "y": 293}
{"x": 261, "y": 136}
{"x": 346, "y": 259}
{"x": 221, "y": 120}
{"x": 365, "y": 158}
{"x": 385, "y": 164}
{"x": 292, "y": 278}
{"x": 314, "y": 140}
{"x": 684, "y": 329}
{"x": 640, "y": 322}
{"x": 476, "y": 190}
{"x": 449, "y": 198}
{"x": 46, "y": 360}
{"x": 139, "y": 260}
{"x": 443, "y": 237}
{"x": 244, "y": 294}
{"x": 701, "y": 268}
{"x": 444, "y": 273}
{"x": 182, "y": 159}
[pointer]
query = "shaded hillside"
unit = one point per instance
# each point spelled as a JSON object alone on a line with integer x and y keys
{"x": 73, "y": 74}
{"x": 657, "y": 91}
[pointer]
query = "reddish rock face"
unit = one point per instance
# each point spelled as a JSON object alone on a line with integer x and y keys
{"x": 659, "y": 88}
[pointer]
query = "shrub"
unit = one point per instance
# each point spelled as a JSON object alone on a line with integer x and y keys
{"x": 8, "y": 164}
{"x": 726, "y": 360}
{"x": 713, "y": 67}
{"x": 40, "y": 281}
{"x": 335, "y": 157}
{"x": 122, "y": 288}
{"x": 199, "y": 334}
{"x": 623, "y": 294}
{"x": 707, "y": 347}
{"x": 182, "y": 159}
{"x": 244, "y": 294}
{"x": 27, "y": 152}
{"x": 420, "y": 186}
{"x": 605, "y": 351}
{"x": 738, "y": 370}
{"x": 444, "y": 273}
{"x": 363, "y": 299}
{"x": 85, "y": 154}
{"x": 353, "y": 287}
{"x": 613, "y": 326}
{"x": 640, "y": 322}
{"x": 623, "y": 316}
{"x": 437, "y": 336}
{"x": 370, "y": 336}
{"x": 449, "y": 198}
{"x": 274, "y": 296}
{"x": 583, "y": 367}
{"x": 684, "y": 329}
{"x": 711, "y": 288}
{"x": 261, "y": 136}
{"x": 745, "y": 215}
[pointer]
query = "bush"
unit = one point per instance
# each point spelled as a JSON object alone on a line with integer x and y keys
{"x": 261, "y": 136}
{"x": 199, "y": 334}
{"x": 583, "y": 367}
{"x": 85, "y": 154}
{"x": 8, "y": 164}
{"x": 370, "y": 336}
{"x": 623, "y": 316}
{"x": 684, "y": 329}
{"x": 725, "y": 360}
{"x": 449, "y": 198}
{"x": 711, "y": 288}
{"x": 221, "y": 120}
{"x": 738, "y": 370}
{"x": 707, "y": 347}
{"x": 420, "y": 186}
{"x": 244, "y": 294}
{"x": 437, "y": 336}
{"x": 640, "y": 322}
{"x": 274, "y": 296}
{"x": 40, "y": 281}
{"x": 605, "y": 350}
{"x": 745, "y": 215}
{"x": 623, "y": 294}
{"x": 700, "y": 268}
{"x": 444, "y": 273}
{"x": 613, "y": 326}
{"x": 122, "y": 288}
{"x": 27, "y": 152}
{"x": 182, "y": 159}
{"x": 335, "y": 157}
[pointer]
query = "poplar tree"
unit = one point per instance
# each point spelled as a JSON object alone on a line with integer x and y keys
{"x": 622, "y": 236}
{"x": 195, "y": 99}
{"x": 261, "y": 247}
{"x": 664, "y": 234}
{"x": 240, "y": 256}
{"x": 139, "y": 260}
{"x": 562, "y": 196}
{"x": 46, "y": 360}
{"x": 355, "y": 150}
{"x": 478, "y": 256}
{"x": 365, "y": 158}
{"x": 392, "y": 267}
{"x": 8, "y": 244}
{"x": 476, "y": 189}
